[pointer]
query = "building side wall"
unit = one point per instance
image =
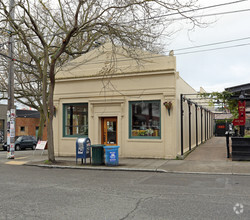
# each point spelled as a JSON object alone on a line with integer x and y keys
{"x": 201, "y": 128}
{"x": 29, "y": 125}
{"x": 183, "y": 88}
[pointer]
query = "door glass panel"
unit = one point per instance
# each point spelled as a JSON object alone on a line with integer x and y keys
{"x": 111, "y": 132}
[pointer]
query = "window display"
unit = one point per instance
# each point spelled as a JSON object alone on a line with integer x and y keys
{"x": 75, "y": 119}
{"x": 145, "y": 119}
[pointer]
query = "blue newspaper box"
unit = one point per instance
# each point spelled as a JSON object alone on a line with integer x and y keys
{"x": 83, "y": 151}
{"x": 111, "y": 155}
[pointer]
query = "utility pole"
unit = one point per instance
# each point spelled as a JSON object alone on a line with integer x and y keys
{"x": 11, "y": 113}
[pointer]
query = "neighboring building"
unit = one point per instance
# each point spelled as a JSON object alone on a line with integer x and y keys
{"x": 27, "y": 123}
{"x": 243, "y": 92}
{"x": 3, "y": 123}
{"x": 123, "y": 104}
{"x": 222, "y": 121}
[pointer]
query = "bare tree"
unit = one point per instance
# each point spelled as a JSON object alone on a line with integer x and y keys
{"x": 51, "y": 33}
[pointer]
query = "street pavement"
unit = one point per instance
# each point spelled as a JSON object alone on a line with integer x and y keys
{"x": 34, "y": 193}
{"x": 208, "y": 158}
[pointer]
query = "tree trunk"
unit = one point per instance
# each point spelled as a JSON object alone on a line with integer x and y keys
{"x": 41, "y": 126}
{"x": 51, "y": 154}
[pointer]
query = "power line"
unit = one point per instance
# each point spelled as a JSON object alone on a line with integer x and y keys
{"x": 191, "y": 10}
{"x": 218, "y": 48}
{"x": 229, "y": 12}
{"x": 214, "y": 14}
{"x": 207, "y": 7}
{"x": 212, "y": 44}
{"x": 19, "y": 61}
{"x": 166, "y": 15}
{"x": 156, "y": 56}
{"x": 183, "y": 53}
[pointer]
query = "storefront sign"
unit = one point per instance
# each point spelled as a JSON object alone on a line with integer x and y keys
{"x": 241, "y": 121}
{"x": 41, "y": 145}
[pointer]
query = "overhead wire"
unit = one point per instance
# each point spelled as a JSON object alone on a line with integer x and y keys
{"x": 218, "y": 48}
{"x": 212, "y": 44}
{"x": 171, "y": 14}
{"x": 163, "y": 55}
{"x": 191, "y": 10}
{"x": 207, "y": 7}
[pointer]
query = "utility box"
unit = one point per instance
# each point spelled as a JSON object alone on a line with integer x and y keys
{"x": 83, "y": 151}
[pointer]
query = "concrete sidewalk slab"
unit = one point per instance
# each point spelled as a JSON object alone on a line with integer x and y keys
{"x": 157, "y": 165}
{"x": 213, "y": 149}
{"x": 208, "y": 158}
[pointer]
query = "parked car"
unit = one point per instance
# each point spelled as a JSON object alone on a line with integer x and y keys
{"x": 4, "y": 146}
{"x": 23, "y": 142}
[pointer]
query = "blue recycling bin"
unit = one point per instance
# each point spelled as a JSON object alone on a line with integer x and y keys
{"x": 83, "y": 151}
{"x": 111, "y": 155}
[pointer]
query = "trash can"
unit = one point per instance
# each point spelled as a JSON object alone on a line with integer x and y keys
{"x": 83, "y": 149}
{"x": 97, "y": 154}
{"x": 111, "y": 155}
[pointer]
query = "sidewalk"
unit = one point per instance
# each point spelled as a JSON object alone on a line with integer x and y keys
{"x": 208, "y": 158}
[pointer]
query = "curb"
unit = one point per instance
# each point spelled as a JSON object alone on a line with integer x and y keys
{"x": 205, "y": 173}
{"x": 95, "y": 168}
{"x": 135, "y": 170}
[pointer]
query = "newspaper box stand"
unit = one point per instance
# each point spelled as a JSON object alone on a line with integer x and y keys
{"x": 83, "y": 151}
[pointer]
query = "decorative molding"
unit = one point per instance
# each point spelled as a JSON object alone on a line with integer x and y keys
{"x": 106, "y": 101}
{"x": 117, "y": 75}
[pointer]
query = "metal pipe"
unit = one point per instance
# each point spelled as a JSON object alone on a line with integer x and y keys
{"x": 205, "y": 124}
{"x": 189, "y": 123}
{"x": 181, "y": 123}
{"x": 196, "y": 125}
{"x": 201, "y": 126}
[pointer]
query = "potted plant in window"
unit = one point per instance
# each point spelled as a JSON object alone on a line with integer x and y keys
{"x": 168, "y": 106}
{"x": 149, "y": 132}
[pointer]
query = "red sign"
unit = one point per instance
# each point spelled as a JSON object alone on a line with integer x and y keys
{"x": 221, "y": 126}
{"x": 242, "y": 114}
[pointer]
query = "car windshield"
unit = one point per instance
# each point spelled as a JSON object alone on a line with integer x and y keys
{"x": 19, "y": 139}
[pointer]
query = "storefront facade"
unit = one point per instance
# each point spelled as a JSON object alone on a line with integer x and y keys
{"x": 121, "y": 104}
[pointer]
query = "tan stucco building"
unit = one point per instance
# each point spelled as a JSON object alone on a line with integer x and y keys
{"x": 117, "y": 100}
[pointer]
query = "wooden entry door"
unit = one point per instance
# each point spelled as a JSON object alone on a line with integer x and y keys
{"x": 109, "y": 131}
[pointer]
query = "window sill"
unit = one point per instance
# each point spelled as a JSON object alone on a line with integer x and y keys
{"x": 145, "y": 140}
{"x": 72, "y": 137}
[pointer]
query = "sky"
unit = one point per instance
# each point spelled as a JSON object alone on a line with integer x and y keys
{"x": 218, "y": 69}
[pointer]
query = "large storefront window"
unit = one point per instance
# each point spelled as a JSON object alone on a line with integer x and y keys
{"x": 145, "y": 119}
{"x": 75, "y": 120}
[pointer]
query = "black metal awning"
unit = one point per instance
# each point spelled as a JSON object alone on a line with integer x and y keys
{"x": 239, "y": 88}
{"x": 241, "y": 92}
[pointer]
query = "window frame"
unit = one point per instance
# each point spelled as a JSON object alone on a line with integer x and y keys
{"x": 130, "y": 119}
{"x": 65, "y": 105}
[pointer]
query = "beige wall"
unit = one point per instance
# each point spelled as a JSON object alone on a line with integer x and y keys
{"x": 109, "y": 88}
{"x": 109, "y": 102}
